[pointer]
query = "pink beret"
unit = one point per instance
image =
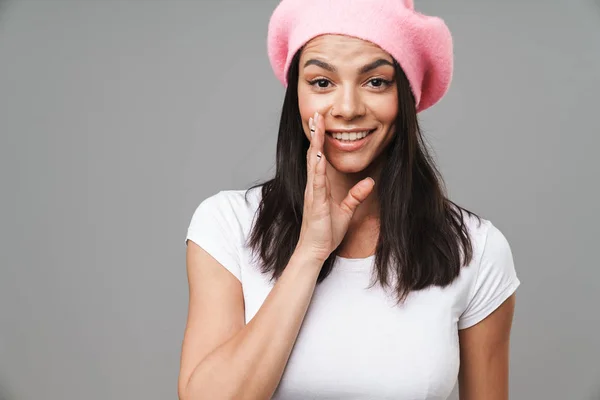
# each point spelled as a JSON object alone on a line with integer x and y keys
{"x": 421, "y": 44}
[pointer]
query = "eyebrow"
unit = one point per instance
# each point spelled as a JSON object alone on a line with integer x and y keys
{"x": 362, "y": 70}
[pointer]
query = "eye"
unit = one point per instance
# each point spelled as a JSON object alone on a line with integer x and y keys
{"x": 380, "y": 83}
{"x": 321, "y": 83}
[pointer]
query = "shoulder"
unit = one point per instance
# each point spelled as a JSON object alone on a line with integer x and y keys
{"x": 228, "y": 214}
{"x": 220, "y": 225}
{"x": 231, "y": 204}
{"x": 487, "y": 239}
{"x": 491, "y": 277}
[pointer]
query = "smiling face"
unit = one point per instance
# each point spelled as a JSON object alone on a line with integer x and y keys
{"x": 351, "y": 83}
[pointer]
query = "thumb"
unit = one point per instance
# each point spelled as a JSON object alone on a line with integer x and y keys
{"x": 357, "y": 195}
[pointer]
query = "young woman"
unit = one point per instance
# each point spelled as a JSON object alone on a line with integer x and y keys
{"x": 350, "y": 274}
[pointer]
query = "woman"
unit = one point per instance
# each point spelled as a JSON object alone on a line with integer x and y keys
{"x": 349, "y": 275}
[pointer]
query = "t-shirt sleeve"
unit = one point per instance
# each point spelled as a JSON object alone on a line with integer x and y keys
{"x": 495, "y": 281}
{"x": 215, "y": 228}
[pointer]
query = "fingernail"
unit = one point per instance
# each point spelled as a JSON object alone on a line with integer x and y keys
{"x": 319, "y": 156}
{"x": 310, "y": 126}
{"x": 316, "y": 118}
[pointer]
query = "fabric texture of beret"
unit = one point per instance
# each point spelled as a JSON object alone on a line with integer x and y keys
{"x": 421, "y": 44}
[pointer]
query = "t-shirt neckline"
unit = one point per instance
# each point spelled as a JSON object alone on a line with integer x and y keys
{"x": 355, "y": 260}
{"x": 355, "y": 264}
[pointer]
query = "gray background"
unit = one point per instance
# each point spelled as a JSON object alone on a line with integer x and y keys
{"x": 118, "y": 117}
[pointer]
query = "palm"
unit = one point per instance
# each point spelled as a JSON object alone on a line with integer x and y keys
{"x": 339, "y": 222}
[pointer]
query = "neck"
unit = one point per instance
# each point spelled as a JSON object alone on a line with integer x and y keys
{"x": 360, "y": 240}
{"x": 341, "y": 183}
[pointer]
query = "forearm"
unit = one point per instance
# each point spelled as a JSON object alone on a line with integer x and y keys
{"x": 251, "y": 363}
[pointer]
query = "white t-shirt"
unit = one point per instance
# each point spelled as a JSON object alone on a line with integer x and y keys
{"x": 355, "y": 343}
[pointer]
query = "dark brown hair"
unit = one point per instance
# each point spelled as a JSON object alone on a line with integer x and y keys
{"x": 422, "y": 233}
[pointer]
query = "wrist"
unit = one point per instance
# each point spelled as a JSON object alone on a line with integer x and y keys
{"x": 307, "y": 258}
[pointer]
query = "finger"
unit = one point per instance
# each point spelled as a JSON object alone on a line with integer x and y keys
{"x": 327, "y": 185}
{"x": 319, "y": 136}
{"x": 311, "y": 156}
{"x": 321, "y": 141}
{"x": 310, "y": 145}
{"x": 315, "y": 143}
{"x": 357, "y": 195}
{"x": 320, "y": 180}
{"x": 309, "y": 161}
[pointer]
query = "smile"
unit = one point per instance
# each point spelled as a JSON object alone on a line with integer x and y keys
{"x": 350, "y": 136}
{"x": 348, "y": 141}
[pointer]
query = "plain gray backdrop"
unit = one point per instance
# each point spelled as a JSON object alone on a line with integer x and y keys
{"x": 117, "y": 118}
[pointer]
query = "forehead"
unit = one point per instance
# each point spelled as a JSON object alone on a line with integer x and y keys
{"x": 342, "y": 48}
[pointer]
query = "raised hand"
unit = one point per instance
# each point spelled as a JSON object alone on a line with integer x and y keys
{"x": 325, "y": 222}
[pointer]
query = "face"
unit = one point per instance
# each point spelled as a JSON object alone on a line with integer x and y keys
{"x": 351, "y": 83}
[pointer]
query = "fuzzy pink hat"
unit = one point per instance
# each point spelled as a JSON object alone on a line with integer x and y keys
{"x": 421, "y": 44}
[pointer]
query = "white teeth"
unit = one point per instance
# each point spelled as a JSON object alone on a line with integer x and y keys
{"x": 350, "y": 136}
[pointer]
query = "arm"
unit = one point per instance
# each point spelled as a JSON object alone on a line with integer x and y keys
{"x": 484, "y": 356}
{"x": 222, "y": 358}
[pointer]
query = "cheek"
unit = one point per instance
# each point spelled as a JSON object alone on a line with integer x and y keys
{"x": 309, "y": 101}
{"x": 386, "y": 110}
{"x": 306, "y": 103}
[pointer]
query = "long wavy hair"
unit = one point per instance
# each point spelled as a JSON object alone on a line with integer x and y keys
{"x": 422, "y": 234}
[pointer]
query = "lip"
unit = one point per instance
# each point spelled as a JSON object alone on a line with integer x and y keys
{"x": 349, "y": 146}
{"x": 349, "y": 130}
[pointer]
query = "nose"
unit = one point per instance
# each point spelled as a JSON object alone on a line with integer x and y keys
{"x": 347, "y": 104}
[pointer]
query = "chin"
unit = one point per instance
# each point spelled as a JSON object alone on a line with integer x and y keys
{"x": 349, "y": 165}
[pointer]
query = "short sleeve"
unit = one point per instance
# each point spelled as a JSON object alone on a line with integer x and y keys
{"x": 496, "y": 279}
{"x": 215, "y": 228}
